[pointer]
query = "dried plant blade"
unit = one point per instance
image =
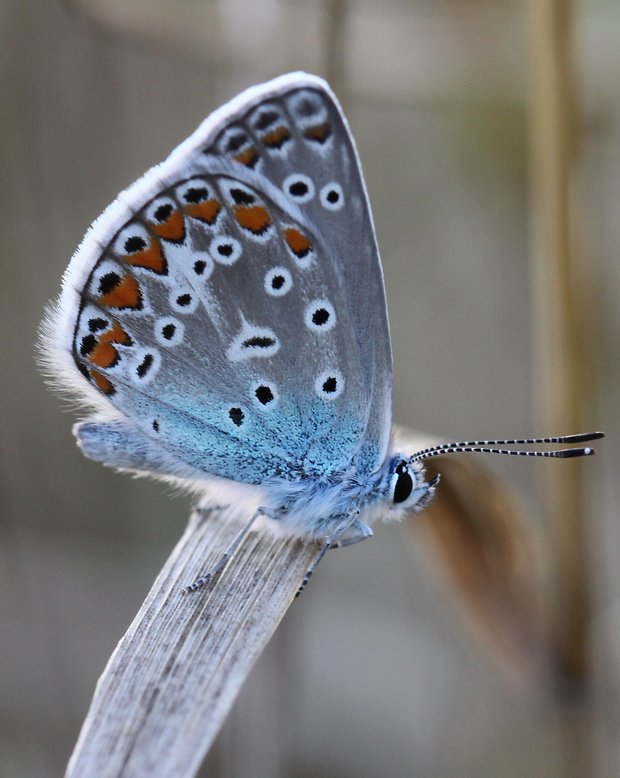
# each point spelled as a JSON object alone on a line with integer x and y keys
{"x": 487, "y": 554}
{"x": 172, "y": 679}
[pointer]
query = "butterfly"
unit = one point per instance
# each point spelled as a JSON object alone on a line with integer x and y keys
{"x": 225, "y": 318}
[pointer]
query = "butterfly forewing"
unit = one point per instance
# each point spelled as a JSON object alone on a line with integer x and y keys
{"x": 232, "y": 316}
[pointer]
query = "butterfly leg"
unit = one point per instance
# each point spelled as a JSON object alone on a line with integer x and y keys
{"x": 333, "y": 541}
{"x": 354, "y": 533}
{"x": 215, "y": 572}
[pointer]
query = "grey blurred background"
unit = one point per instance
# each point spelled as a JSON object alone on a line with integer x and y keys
{"x": 371, "y": 673}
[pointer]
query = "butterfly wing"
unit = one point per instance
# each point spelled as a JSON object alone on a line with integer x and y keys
{"x": 297, "y": 137}
{"x": 228, "y": 308}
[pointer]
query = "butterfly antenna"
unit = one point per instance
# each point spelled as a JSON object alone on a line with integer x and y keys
{"x": 489, "y": 447}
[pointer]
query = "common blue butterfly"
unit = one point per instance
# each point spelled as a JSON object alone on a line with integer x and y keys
{"x": 226, "y": 319}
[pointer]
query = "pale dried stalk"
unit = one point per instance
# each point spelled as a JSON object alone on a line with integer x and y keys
{"x": 172, "y": 679}
{"x": 174, "y": 676}
{"x": 167, "y": 688}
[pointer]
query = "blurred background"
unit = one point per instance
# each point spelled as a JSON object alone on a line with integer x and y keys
{"x": 372, "y": 672}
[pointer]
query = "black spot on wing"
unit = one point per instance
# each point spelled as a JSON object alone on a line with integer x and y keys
{"x": 236, "y": 416}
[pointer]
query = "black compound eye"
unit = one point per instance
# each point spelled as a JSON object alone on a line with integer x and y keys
{"x": 404, "y": 483}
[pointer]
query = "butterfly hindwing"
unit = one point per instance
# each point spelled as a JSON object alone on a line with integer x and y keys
{"x": 229, "y": 304}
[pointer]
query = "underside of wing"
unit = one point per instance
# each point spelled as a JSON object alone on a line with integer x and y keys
{"x": 230, "y": 303}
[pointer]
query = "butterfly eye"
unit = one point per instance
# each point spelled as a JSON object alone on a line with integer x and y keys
{"x": 402, "y": 483}
{"x": 332, "y": 196}
{"x": 299, "y": 188}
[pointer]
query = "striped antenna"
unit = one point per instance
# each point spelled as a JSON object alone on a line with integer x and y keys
{"x": 488, "y": 447}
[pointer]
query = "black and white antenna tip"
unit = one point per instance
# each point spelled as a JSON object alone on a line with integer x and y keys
{"x": 490, "y": 447}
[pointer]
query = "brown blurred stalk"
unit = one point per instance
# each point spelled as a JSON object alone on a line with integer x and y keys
{"x": 560, "y": 297}
{"x": 336, "y": 18}
{"x": 558, "y": 331}
{"x": 482, "y": 539}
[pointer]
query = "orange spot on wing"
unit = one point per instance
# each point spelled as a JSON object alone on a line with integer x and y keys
{"x": 276, "y": 138}
{"x": 150, "y": 258}
{"x": 254, "y": 218}
{"x": 125, "y": 294}
{"x": 318, "y": 132}
{"x": 172, "y": 229}
{"x": 116, "y": 334}
{"x": 102, "y": 383}
{"x": 298, "y": 243}
{"x": 104, "y": 354}
{"x": 206, "y": 211}
{"x": 248, "y": 157}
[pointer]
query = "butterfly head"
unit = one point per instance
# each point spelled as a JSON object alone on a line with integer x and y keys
{"x": 407, "y": 490}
